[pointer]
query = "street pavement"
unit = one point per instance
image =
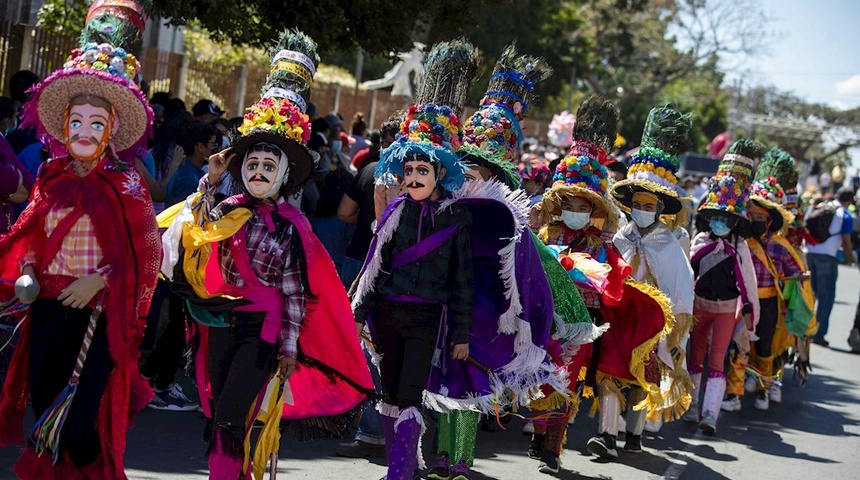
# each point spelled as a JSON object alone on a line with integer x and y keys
{"x": 813, "y": 434}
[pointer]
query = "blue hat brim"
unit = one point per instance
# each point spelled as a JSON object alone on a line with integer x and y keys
{"x": 392, "y": 158}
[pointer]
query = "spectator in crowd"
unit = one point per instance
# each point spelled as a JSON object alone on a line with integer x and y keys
{"x": 206, "y": 111}
{"x": 359, "y": 134}
{"x": 617, "y": 170}
{"x": 15, "y": 180}
{"x": 824, "y": 265}
{"x": 8, "y": 116}
{"x": 21, "y": 81}
{"x": 343, "y": 157}
{"x": 386, "y": 137}
{"x": 199, "y": 141}
{"x": 334, "y": 233}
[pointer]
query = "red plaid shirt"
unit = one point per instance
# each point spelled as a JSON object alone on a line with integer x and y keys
{"x": 272, "y": 261}
{"x": 79, "y": 254}
{"x": 782, "y": 261}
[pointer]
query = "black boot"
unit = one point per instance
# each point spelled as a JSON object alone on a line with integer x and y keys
{"x": 536, "y": 447}
{"x": 603, "y": 446}
{"x": 632, "y": 443}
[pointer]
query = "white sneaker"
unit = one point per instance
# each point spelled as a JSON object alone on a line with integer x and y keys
{"x": 750, "y": 384}
{"x": 775, "y": 394}
{"x": 528, "y": 428}
{"x": 654, "y": 427}
{"x": 732, "y": 403}
{"x": 761, "y": 400}
{"x": 692, "y": 414}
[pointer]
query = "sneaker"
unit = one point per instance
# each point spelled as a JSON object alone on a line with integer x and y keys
{"x": 854, "y": 340}
{"x": 761, "y": 400}
{"x": 732, "y": 403}
{"x": 775, "y": 394}
{"x": 536, "y": 448}
{"x": 173, "y": 399}
{"x": 632, "y": 443}
{"x": 692, "y": 413}
{"x": 460, "y": 471}
{"x": 548, "y": 463}
{"x": 529, "y": 428}
{"x": 750, "y": 384}
{"x": 821, "y": 341}
{"x": 603, "y": 446}
{"x": 359, "y": 449}
{"x": 708, "y": 423}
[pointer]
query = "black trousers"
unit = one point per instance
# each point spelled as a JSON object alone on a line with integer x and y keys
{"x": 766, "y": 326}
{"x": 406, "y": 337}
{"x": 166, "y": 357}
{"x": 240, "y": 362}
{"x": 57, "y": 333}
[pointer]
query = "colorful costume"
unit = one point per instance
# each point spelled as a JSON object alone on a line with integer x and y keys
{"x": 654, "y": 252}
{"x": 725, "y": 284}
{"x": 512, "y": 313}
{"x": 416, "y": 290}
{"x": 89, "y": 222}
{"x": 775, "y": 265}
{"x": 254, "y": 272}
{"x": 800, "y": 317}
{"x": 581, "y": 220}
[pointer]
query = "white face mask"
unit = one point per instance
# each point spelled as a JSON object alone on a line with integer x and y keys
{"x": 263, "y": 173}
{"x": 643, "y": 219}
{"x": 575, "y": 220}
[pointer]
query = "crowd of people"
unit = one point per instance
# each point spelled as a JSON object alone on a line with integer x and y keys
{"x": 436, "y": 270}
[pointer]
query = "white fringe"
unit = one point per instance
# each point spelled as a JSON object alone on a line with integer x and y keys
{"x": 367, "y": 278}
{"x": 388, "y": 410}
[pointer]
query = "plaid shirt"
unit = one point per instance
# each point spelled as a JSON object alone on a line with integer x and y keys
{"x": 445, "y": 275}
{"x": 79, "y": 254}
{"x": 782, "y": 261}
{"x": 570, "y": 239}
{"x": 272, "y": 261}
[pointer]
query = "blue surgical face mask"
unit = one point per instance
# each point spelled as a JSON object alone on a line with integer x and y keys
{"x": 12, "y": 128}
{"x": 575, "y": 220}
{"x": 719, "y": 227}
{"x": 642, "y": 218}
{"x": 225, "y": 142}
{"x": 336, "y": 145}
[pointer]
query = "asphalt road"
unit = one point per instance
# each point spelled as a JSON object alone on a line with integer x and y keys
{"x": 813, "y": 434}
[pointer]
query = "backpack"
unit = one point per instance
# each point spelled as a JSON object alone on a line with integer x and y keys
{"x": 818, "y": 221}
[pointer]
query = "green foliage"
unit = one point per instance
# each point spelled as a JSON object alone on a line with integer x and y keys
{"x": 63, "y": 16}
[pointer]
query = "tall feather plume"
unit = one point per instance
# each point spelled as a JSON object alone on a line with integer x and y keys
{"x": 284, "y": 73}
{"x": 117, "y": 22}
{"x": 596, "y": 122}
{"x": 449, "y": 70}
{"x": 747, "y": 147}
{"x": 667, "y": 129}
{"x": 780, "y": 164}
{"x": 515, "y": 76}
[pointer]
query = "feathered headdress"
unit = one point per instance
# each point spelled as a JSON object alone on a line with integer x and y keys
{"x": 493, "y": 132}
{"x": 432, "y": 127}
{"x": 654, "y": 167}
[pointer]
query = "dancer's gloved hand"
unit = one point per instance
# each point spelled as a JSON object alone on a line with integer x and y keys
{"x": 82, "y": 291}
{"x": 218, "y": 164}
{"x": 460, "y": 351}
{"x": 286, "y": 367}
{"x": 27, "y": 287}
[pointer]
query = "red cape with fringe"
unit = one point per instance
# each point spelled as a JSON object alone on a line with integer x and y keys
{"x": 118, "y": 203}
{"x": 333, "y": 376}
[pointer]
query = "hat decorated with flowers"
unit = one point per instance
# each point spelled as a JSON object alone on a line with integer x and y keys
{"x": 728, "y": 190}
{"x": 493, "y": 134}
{"x": 279, "y": 118}
{"x": 432, "y": 128}
{"x": 654, "y": 167}
{"x": 781, "y": 165}
{"x": 105, "y": 66}
{"x": 583, "y": 172}
{"x": 769, "y": 195}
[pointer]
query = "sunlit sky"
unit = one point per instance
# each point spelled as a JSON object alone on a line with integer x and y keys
{"x": 815, "y": 52}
